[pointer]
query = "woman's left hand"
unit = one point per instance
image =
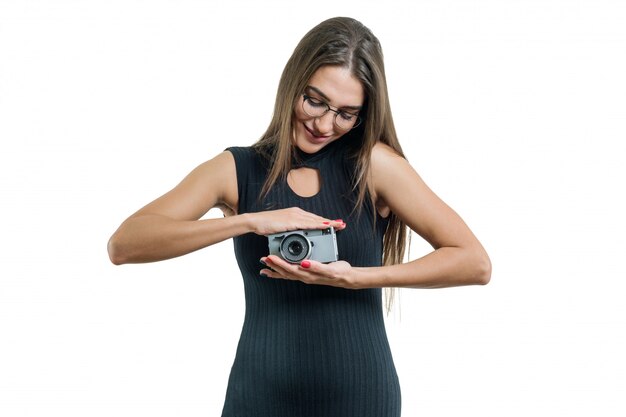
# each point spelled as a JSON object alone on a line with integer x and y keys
{"x": 336, "y": 274}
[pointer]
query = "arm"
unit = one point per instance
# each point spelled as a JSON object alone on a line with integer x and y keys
{"x": 169, "y": 227}
{"x": 458, "y": 257}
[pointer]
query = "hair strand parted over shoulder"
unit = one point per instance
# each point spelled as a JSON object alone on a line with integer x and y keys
{"x": 344, "y": 42}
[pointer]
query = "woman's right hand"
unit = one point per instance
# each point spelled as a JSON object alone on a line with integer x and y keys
{"x": 293, "y": 218}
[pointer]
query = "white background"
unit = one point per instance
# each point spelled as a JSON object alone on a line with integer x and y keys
{"x": 514, "y": 112}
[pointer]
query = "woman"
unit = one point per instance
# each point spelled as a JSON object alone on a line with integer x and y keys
{"x": 313, "y": 341}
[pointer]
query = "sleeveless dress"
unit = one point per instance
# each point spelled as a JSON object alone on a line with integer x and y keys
{"x": 311, "y": 350}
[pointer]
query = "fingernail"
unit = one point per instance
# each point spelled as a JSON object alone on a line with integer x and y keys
{"x": 326, "y": 222}
{"x": 263, "y": 275}
{"x": 339, "y": 220}
{"x": 262, "y": 262}
{"x": 305, "y": 264}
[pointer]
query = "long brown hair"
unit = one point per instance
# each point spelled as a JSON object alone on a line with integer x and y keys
{"x": 347, "y": 43}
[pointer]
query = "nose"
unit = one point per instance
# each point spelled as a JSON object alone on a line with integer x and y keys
{"x": 324, "y": 124}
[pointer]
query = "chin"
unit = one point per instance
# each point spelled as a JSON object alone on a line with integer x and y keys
{"x": 308, "y": 147}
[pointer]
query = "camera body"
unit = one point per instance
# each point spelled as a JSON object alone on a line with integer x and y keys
{"x": 298, "y": 245}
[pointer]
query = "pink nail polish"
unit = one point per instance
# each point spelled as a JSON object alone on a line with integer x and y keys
{"x": 305, "y": 264}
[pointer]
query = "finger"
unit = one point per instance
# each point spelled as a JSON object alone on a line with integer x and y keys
{"x": 276, "y": 274}
{"x": 269, "y": 273}
{"x": 340, "y": 226}
{"x": 309, "y": 266}
{"x": 336, "y": 224}
{"x": 264, "y": 263}
{"x": 279, "y": 265}
{"x": 313, "y": 268}
{"x": 315, "y": 221}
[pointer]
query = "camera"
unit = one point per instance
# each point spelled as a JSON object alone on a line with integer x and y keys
{"x": 296, "y": 246}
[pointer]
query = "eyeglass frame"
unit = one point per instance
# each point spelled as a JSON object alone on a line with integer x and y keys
{"x": 306, "y": 97}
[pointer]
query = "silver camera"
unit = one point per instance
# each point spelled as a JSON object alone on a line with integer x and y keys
{"x": 298, "y": 245}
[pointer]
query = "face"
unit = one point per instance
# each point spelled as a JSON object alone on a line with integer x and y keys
{"x": 337, "y": 87}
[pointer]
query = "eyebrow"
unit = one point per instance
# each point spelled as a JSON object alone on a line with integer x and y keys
{"x": 325, "y": 97}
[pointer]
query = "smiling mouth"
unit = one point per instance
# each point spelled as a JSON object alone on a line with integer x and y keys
{"x": 314, "y": 134}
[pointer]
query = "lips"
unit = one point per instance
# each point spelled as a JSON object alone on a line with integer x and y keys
{"x": 314, "y": 136}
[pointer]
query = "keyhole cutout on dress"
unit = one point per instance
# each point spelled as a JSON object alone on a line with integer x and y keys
{"x": 305, "y": 182}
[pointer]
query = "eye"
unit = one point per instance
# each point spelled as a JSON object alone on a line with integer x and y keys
{"x": 349, "y": 117}
{"x": 314, "y": 102}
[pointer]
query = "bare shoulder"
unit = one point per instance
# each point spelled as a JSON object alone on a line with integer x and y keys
{"x": 401, "y": 190}
{"x": 387, "y": 166}
{"x": 384, "y": 157}
{"x": 382, "y": 149}
{"x": 221, "y": 167}
{"x": 212, "y": 184}
{"x": 220, "y": 173}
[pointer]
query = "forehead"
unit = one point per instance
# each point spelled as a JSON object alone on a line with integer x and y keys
{"x": 339, "y": 86}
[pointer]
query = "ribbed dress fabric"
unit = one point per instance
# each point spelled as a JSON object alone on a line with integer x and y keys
{"x": 310, "y": 350}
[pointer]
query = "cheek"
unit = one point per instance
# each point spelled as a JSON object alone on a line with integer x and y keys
{"x": 299, "y": 114}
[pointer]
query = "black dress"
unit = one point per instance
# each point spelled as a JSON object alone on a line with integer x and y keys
{"x": 311, "y": 350}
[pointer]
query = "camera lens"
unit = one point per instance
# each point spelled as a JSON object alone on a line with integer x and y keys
{"x": 294, "y": 248}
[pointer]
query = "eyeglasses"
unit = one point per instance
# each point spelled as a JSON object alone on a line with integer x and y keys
{"x": 317, "y": 108}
